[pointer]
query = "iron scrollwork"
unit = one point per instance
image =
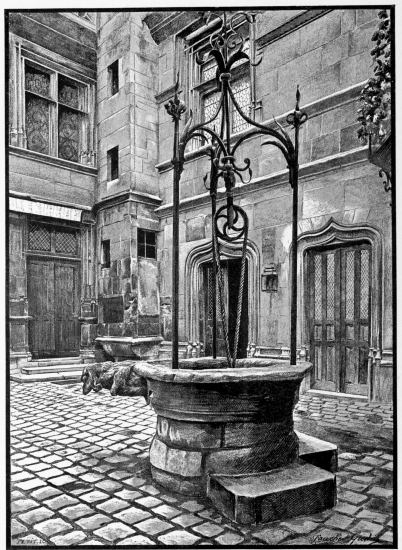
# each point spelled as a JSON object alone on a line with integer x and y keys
{"x": 230, "y": 221}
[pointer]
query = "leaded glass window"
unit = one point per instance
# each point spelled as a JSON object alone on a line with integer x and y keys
{"x": 69, "y": 130}
{"x": 56, "y": 117}
{"x": 241, "y": 92}
{"x": 37, "y": 124}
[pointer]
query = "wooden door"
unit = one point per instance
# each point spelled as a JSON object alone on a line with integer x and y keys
{"x": 338, "y": 312}
{"x": 53, "y": 294}
{"x": 66, "y": 312}
{"x": 231, "y": 278}
{"x": 41, "y": 308}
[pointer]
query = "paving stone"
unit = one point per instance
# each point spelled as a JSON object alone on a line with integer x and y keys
{"x": 21, "y": 476}
{"x": 93, "y": 522}
{"x": 192, "y": 506}
{"x": 52, "y": 526}
{"x": 380, "y": 492}
{"x": 271, "y": 535}
{"x": 75, "y": 537}
{"x": 229, "y": 538}
{"x": 36, "y": 515}
{"x": 119, "y": 474}
{"x": 77, "y": 511}
{"x": 128, "y": 495}
{"x": 187, "y": 520}
{"x": 30, "y": 484}
{"x": 112, "y": 505}
{"x": 94, "y": 496}
{"x": 132, "y": 515}
{"x": 150, "y": 489}
{"x": 339, "y": 520}
{"x": 353, "y": 486}
{"x": 166, "y": 511}
{"x": 75, "y": 470}
{"x": 178, "y": 538}
{"x": 92, "y": 477}
{"x": 362, "y": 468}
{"x": 17, "y": 528}
{"x": 300, "y": 526}
{"x": 367, "y": 528}
{"x": 134, "y": 481}
{"x": 346, "y": 508}
{"x": 387, "y": 537}
{"x": 23, "y": 505}
{"x": 60, "y": 502}
{"x": 114, "y": 531}
{"x": 208, "y": 529}
{"x": 153, "y": 526}
{"x": 108, "y": 485}
{"x": 354, "y": 498}
{"x": 138, "y": 540}
{"x": 148, "y": 502}
{"x": 62, "y": 480}
{"x": 372, "y": 515}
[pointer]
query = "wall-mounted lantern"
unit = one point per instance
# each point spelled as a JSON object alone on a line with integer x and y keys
{"x": 269, "y": 279}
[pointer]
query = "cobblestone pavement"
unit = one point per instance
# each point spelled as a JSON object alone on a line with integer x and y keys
{"x": 80, "y": 476}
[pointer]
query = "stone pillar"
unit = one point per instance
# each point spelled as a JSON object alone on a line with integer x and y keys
{"x": 128, "y": 288}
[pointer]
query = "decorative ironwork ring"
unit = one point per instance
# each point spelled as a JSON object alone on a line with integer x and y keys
{"x": 238, "y": 227}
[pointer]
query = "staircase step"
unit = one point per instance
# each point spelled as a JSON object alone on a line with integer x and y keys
{"x": 71, "y": 376}
{"x": 55, "y": 361}
{"x": 51, "y": 369}
{"x": 318, "y": 452}
{"x": 297, "y": 489}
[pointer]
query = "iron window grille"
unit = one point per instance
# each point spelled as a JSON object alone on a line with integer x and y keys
{"x": 63, "y": 241}
{"x": 146, "y": 244}
{"x": 56, "y": 114}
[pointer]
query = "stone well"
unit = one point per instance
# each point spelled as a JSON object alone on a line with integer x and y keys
{"x": 215, "y": 420}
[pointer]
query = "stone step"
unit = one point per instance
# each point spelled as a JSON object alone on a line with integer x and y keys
{"x": 297, "y": 489}
{"x": 54, "y": 368}
{"x": 318, "y": 452}
{"x": 55, "y": 361}
{"x": 67, "y": 377}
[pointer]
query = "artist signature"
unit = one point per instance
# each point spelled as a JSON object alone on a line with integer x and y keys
{"x": 341, "y": 539}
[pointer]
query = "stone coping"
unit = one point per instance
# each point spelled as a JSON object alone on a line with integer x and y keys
{"x": 129, "y": 339}
{"x": 206, "y": 370}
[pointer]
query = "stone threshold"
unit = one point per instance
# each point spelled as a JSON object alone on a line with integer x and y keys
{"x": 337, "y": 395}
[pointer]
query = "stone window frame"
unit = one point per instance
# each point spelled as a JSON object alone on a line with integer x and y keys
{"x": 113, "y": 77}
{"x": 112, "y": 156}
{"x": 149, "y": 249}
{"x": 335, "y": 233}
{"x": 199, "y": 256}
{"x": 22, "y": 53}
{"x": 197, "y": 89}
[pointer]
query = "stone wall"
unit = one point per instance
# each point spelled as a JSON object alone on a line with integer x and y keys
{"x": 128, "y": 120}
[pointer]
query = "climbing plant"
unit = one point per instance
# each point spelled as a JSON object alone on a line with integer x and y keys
{"x": 375, "y": 98}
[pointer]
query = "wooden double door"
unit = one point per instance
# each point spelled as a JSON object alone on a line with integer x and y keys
{"x": 53, "y": 297}
{"x": 338, "y": 307}
{"x": 231, "y": 270}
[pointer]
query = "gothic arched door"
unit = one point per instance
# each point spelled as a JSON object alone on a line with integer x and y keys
{"x": 338, "y": 314}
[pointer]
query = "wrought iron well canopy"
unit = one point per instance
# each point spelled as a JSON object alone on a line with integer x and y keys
{"x": 230, "y": 221}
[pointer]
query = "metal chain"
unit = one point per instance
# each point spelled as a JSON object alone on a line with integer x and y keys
{"x": 231, "y": 359}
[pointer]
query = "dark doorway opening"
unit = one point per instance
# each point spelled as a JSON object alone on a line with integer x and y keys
{"x": 231, "y": 275}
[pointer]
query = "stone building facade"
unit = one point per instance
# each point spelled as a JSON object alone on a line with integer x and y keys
{"x": 122, "y": 67}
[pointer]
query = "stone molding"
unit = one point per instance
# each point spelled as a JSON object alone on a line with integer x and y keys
{"x": 201, "y": 254}
{"x": 127, "y": 196}
{"x": 309, "y": 169}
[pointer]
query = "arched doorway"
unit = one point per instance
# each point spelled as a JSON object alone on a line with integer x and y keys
{"x": 341, "y": 302}
{"x": 197, "y": 298}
